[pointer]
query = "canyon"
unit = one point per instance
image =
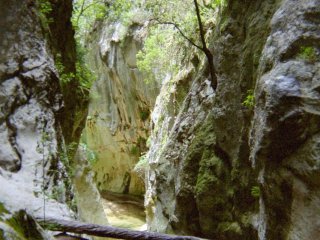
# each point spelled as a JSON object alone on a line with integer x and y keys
{"x": 173, "y": 155}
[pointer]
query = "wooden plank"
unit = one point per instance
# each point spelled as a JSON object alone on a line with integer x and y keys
{"x": 106, "y": 231}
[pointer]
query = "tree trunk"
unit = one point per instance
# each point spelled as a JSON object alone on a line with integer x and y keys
{"x": 106, "y": 231}
{"x": 205, "y": 49}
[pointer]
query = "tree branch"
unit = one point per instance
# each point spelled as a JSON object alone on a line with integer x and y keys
{"x": 176, "y": 26}
{"x": 203, "y": 48}
{"x": 203, "y": 41}
{"x": 84, "y": 8}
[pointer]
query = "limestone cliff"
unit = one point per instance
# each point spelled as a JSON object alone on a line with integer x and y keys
{"x": 33, "y": 176}
{"x": 118, "y": 122}
{"x": 243, "y": 162}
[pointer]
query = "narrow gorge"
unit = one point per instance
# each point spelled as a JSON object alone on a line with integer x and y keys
{"x": 110, "y": 115}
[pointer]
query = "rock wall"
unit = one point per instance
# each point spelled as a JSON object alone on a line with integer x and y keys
{"x": 118, "y": 123}
{"x": 90, "y": 208}
{"x": 224, "y": 169}
{"x": 284, "y": 135}
{"x": 31, "y": 168}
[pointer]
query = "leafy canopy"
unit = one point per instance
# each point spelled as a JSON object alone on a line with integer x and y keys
{"x": 85, "y": 14}
{"x": 165, "y": 46}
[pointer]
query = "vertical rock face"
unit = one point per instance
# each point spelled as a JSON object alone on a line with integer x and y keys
{"x": 30, "y": 101}
{"x": 118, "y": 122}
{"x": 285, "y": 137}
{"x": 88, "y": 198}
{"x": 227, "y": 170}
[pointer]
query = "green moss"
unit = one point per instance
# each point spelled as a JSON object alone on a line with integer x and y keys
{"x": 206, "y": 177}
{"x": 50, "y": 226}
{"x": 24, "y": 227}
{"x": 204, "y": 136}
{"x": 230, "y": 227}
{"x": 3, "y": 210}
{"x": 203, "y": 182}
{"x": 308, "y": 54}
{"x": 249, "y": 100}
{"x": 134, "y": 150}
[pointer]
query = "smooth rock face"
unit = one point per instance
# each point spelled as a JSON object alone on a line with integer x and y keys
{"x": 30, "y": 168}
{"x": 89, "y": 204}
{"x": 118, "y": 123}
{"x": 223, "y": 170}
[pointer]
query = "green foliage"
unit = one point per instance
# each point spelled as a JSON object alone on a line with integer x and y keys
{"x": 308, "y": 54}
{"x": 255, "y": 191}
{"x": 65, "y": 77}
{"x": 119, "y": 9}
{"x": 85, "y": 14}
{"x": 218, "y": 3}
{"x": 249, "y": 100}
{"x": 165, "y": 48}
{"x": 83, "y": 75}
{"x": 159, "y": 56}
{"x": 45, "y": 8}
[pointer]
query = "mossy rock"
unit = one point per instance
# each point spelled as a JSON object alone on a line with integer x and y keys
{"x": 230, "y": 229}
{"x": 19, "y": 226}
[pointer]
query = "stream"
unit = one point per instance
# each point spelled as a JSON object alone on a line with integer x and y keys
{"x": 124, "y": 211}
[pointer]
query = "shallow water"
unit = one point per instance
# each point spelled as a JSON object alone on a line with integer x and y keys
{"x": 124, "y": 211}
